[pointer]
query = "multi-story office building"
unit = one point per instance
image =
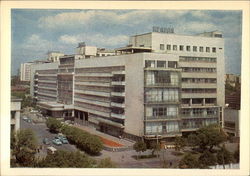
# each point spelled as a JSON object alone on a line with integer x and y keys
{"x": 53, "y": 56}
{"x": 25, "y": 71}
{"x": 160, "y": 85}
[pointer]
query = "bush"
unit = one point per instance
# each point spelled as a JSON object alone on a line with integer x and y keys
{"x": 207, "y": 159}
{"x": 224, "y": 156}
{"x": 83, "y": 140}
{"x": 53, "y": 125}
{"x": 189, "y": 161}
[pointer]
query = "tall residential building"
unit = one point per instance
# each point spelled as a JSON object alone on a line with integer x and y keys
{"x": 160, "y": 85}
{"x": 25, "y": 71}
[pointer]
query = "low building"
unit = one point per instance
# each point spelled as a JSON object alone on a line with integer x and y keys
{"x": 15, "y": 113}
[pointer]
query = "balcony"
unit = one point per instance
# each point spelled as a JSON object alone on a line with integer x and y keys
{"x": 47, "y": 94}
{"x": 48, "y": 88}
{"x": 198, "y": 116}
{"x": 105, "y": 104}
{"x": 198, "y": 75}
{"x": 120, "y": 105}
{"x": 120, "y": 72}
{"x": 120, "y": 94}
{"x": 78, "y": 107}
{"x": 118, "y": 83}
{"x": 87, "y": 92}
{"x": 119, "y": 116}
{"x": 92, "y": 84}
{"x": 47, "y": 81}
{"x": 198, "y": 95}
{"x": 95, "y": 74}
{"x": 199, "y": 85}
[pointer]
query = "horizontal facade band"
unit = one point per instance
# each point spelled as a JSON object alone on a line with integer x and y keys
{"x": 198, "y": 75}
{"x": 198, "y": 95}
{"x": 121, "y": 94}
{"x": 104, "y": 94}
{"x": 94, "y": 74}
{"x": 92, "y": 84}
{"x": 105, "y": 104}
{"x": 120, "y": 105}
{"x": 104, "y": 114}
{"x": 119, "y": 116}
{"x": 199, "y": 85}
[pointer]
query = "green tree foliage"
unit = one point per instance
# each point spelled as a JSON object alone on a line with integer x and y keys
{"x": 210, "y": 136}
{"x": 53, "y": 125}
{"x": 224, "y": 156}
{"x": 207, "y": 159}
{"x": 180, "y": 143}
{"x": 193, "y": 140}
{"x": 154, "y": 147}
{"x": 189, "y": 161}
{"x": 24, "y": 146}
{"x": 66, "y": 159}
{"x": 83, "y": 140}
{"x": 27, "y": 101}
{"x": 106, "y": 163}
{"x": 140, "y": 146}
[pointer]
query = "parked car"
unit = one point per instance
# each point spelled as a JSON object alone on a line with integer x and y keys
{"x": 57, "y": 142}
{"x": 62, "y": 138}
{"x": 46, "y": 141}
{"x": 25, "y": 118}
{"x": 51, "y": 150}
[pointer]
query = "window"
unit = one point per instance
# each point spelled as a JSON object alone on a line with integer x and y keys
{"x": 188, "y": 48}
{"x": 168, "y": 47}
{"x": 181, "y": 47}
{"x": 207, "y": 49}
{"x": 201, "y": 49}
{"x": 161, "y": 64}
{"x": 175, "y": 47}
{"x": 161, "y": 46}
{"x": 172, "y": 64}
{"x": 149, "y": 64}
{"x": 214, "y": 50}
{"x": 195, "y": 48}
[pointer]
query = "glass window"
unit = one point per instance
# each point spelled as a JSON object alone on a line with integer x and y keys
{"x": 181, "y": 47}
{"x": 214, "y": 50}
{"x": 161, "y": 46}
{"x": 149, "y": 63}
{"x": 172, "y": 64}
{"x": 194, "y": 48}
{"x": 207, "y": 49}
{"x": 161, "y": 64}
{"x": 188, "y": 48}
{"x": 168, "y": 47}
{"x": 201, "y": 49}
{"x": 175, "y": 47}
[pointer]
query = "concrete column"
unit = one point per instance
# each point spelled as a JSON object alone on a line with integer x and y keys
{"x": 203, "y": 102}
{"x": 190, "y": 102}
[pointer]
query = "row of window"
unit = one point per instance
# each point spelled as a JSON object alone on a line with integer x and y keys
{"x": 199, "y": 90}
{"x": 161, "y": 78}
{"x": 161, "y": 127}
{"x": 197, "y": 123}
{"x": 169, "y": 110}
{"x": 162, "y": 95}
{"x": 200, "y": 111}
{"x": 160, "y": 64}
{"x": 195, "y": 69}
{"x": 197, "y": 59}
{"x": 198, "y": 80}
{"x": 187, "y": 48}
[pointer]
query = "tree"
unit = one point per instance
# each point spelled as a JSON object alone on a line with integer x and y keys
{"x": 189, "y": 161}
{"x": 140, "y": 146}
{"x": 207, "y": 159}
{"x": 65, "y": 159}
{"x": 193, "y": 140}
{"x": 106, "y": 163}
{"x": 237, "y": 154}
{"x": 53, "y": 125}
{"x": 224, "y": 156}
{"x": 154, "y": 147}
{"x": 210, "y": 136}
{"x": 24, "y": 147}
{"x": 180, "y": 143}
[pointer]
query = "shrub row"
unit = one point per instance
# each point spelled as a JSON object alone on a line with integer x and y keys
{"x": 83, "y": 140}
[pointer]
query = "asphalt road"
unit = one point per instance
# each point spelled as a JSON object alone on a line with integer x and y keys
{"x": 41, "y": 132}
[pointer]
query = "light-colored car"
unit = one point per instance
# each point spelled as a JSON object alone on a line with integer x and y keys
{"x": 57, "y": 142}
{"x": 25, "y": 118}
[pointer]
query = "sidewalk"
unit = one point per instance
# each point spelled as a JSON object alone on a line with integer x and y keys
{"x": 123, "y": 142}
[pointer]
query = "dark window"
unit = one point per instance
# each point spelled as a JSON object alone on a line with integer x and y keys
{"x": 161, "y": 64}
{"x": 181, "y": 47}
{"x": 168, "y": 47}
{"x": 207, "y": 49}
{"x": 175, "y": 47}
{"x": 149, "y": 63}
{"x": 172, "y": 64}
{"x": 201, "y": 49}
{"x": 194, "y": 48}
{"x": 188, "y": 48}
{"x": 161, "y": 46}
{"x": 214, "y": 50}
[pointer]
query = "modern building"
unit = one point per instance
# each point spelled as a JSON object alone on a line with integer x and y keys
{"x": 160, "y": 85}
{"x": 15, "y": 113}
{"x": 25, "y": 69}
{"x": 53, "y": 56}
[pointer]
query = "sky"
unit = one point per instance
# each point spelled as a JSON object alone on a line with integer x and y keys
{"x": 35, "y": 32}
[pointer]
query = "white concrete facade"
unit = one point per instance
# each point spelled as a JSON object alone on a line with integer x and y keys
{"x": 15, "y": 113}
{"x": 25, "y": 71}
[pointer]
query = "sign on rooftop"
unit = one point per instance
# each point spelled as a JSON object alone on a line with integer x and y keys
{"x": 163, "y": 29}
